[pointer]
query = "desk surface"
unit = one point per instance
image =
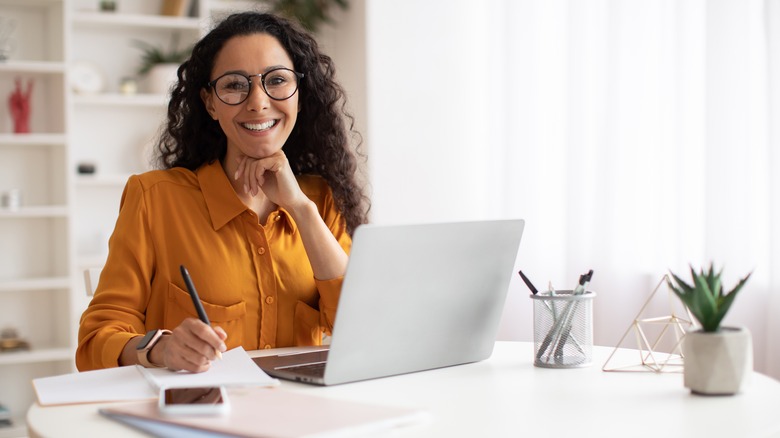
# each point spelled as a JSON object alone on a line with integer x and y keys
{"x": 507, "y": 396}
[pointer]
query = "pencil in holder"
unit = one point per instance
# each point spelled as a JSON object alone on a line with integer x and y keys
{"x": 563, "y": 329}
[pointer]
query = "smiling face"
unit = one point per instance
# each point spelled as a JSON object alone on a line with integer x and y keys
{"x": 259, "y": 126}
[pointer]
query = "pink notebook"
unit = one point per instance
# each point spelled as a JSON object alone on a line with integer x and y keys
{"x": 273, "y": 412}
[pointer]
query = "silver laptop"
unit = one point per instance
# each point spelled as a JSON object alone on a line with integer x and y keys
{"x": 414, "y": 297}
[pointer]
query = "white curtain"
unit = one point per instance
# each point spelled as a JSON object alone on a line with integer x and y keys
{"x": 638, "y": 137}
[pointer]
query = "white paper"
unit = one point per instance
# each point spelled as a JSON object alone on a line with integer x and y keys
{"x": 110, "y": 384}
{"x": 235, "y": 368}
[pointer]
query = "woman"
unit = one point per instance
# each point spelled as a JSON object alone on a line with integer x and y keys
{"x": 257, "y": 199}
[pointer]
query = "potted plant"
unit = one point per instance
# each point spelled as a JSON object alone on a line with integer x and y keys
{"x": 716, "y": 359}
{"x": 159, "y": 65}
{"x": 310, "y": 13}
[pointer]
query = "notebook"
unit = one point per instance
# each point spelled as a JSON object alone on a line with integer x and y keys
{"x": 271, "y": 413}
{"x": 415, "y": 297}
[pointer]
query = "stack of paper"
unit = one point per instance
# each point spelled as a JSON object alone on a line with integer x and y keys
{"x": 137, "y": 383}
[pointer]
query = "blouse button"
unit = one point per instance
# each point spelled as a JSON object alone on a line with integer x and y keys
{"x": 269, "y": 300}
{"x": 268, "y": 347}
{"x": 261, "y": 250}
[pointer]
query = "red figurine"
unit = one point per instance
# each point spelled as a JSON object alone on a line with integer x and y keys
{"x": 19, "y": 105}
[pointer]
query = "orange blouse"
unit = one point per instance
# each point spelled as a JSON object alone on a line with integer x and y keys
{"x": 254, "y": 280}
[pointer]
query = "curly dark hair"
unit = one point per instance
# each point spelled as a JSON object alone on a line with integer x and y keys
{"x": 318, "y": 144}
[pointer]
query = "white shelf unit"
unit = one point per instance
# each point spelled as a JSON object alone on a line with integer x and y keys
{"x": 111, "y": 131}
{"x": 35, "y": 256}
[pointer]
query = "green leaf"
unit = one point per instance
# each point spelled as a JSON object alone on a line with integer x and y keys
{"x": 152, "y": 55}
{"x": 310, "y": 13}
{"x": 706, "y": 299}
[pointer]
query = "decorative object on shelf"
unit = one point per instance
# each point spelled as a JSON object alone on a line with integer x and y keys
{"x": 176, "y": 8}
{"x": 10, "y": 341}
{"x": 11, "y": 199}
{"x": 7, "y": 41}
{"x": 19, "y": 106}
{"x": 5, "y": 417}
{"x": 717, "y": 359}
{"x": 86, "y": 168}
{"x": 128, "y": 86}
{"x": 108, "y": 5}
{"x": 159, "y": 66}
{"x": 86, "y": 78}
{"x": 310, "y": 13}
{"x": 650, "y": 357}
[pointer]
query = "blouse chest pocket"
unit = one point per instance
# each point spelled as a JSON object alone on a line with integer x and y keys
{"x": 179, "y": 306}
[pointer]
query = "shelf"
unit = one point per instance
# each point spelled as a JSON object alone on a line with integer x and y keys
{"x": 36, "y": 355}
{"x": 238, "y": 5}
{"x": 32, "y": 140}
{"x": 86, "y": 181}
{"x": 32, "y": 284}
{"x": 35, "y": 211}
{"x": 116, "y": 99}
{"x": 44, "y": 67}
{"x": 109, "y": 19}
{"x": 18, "y": 429}
{"x": 31, "y": 3}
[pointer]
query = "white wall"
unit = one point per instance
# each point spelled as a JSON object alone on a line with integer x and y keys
{"x": 428, "y": 114}
{"x": 433, "y": 89}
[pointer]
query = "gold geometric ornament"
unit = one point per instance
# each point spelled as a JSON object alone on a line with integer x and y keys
{"x": 660, "y": 329}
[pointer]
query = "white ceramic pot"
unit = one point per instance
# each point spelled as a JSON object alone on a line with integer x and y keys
{"x": 717, "y": 363}
{"x": 161, "y": 78}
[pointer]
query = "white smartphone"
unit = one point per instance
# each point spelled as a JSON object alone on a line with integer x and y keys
{"x": 208, "y": 400}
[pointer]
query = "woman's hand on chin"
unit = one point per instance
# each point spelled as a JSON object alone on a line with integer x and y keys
{"x": 273, "y": 176}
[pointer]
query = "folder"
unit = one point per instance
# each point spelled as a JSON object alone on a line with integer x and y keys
{"x": 271, "y": 412}
{"x": 127, "y": 383}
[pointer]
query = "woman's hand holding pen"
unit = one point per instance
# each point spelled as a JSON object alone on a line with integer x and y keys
{"x": 273, "y": 176}
{"x": 191, "y": 346}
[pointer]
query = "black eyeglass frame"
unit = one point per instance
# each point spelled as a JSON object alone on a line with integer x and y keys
{"x": 262, "y": 76}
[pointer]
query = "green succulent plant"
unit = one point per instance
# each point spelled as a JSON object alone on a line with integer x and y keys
{"x": 706, "y": 298}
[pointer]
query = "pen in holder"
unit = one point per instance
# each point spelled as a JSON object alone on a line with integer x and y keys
{"x": 563, "y": 329}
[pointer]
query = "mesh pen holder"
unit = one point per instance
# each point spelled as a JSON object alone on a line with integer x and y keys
{"x": 563, "y": 329}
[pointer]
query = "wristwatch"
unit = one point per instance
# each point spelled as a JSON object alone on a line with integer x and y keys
{"x": 145, "y": 347}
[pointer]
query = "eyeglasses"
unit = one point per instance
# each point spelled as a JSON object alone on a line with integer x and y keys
{"x": 279, "y": 84}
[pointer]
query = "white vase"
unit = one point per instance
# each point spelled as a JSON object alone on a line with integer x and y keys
{"x": 161, "y": 78}
{"x": 717, "y": 363}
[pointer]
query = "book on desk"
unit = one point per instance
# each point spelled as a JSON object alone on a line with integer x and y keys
{"x": 271, "y": 412}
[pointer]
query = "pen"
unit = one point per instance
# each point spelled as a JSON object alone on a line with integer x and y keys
{"x": 584, "y": 280}
{"x": 565, "y": 329}
{"x": 528, "y": 283}
{"x": 196, "y": 300}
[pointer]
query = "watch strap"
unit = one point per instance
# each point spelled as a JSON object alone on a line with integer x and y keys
{"x": 143, "y": 352}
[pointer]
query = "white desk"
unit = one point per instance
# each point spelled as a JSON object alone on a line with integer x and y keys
{"x": 506, "y": 396}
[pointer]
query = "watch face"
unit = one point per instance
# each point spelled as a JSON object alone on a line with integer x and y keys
{"x": 146, "y": 339}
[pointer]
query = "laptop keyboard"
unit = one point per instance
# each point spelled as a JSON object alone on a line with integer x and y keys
{"x": 312, "y": 369}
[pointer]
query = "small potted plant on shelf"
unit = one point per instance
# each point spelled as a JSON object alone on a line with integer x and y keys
{"x": 716, "y": 358}
{"x": 310, "y": 13}
{"x": 159, "y": 65}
